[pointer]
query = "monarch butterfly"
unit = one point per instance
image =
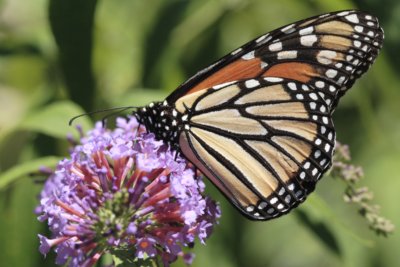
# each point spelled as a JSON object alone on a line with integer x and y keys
{"x": 258, "y": 121}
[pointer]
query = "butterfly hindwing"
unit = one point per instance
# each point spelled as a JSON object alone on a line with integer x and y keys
{"x": 263, "y": 142}
{"x": 328, "y": 51}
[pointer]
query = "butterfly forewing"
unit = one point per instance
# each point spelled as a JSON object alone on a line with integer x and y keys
{"x": 328, "y": 51}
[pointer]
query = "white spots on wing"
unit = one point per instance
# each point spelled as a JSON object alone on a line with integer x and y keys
{"x": 368, "y": 17}
{"x": 320, "y": 84}
{"x": 281, "y": 191}
{"x": 299, "y": 96}
{"x": 328, "y": 101}
{"x": 306, "y": 31}
{"x": 343, "y": 13}
{"x": 248, "y": 56}
{"x": 288, "y": 29}
{"x": 330, "y": 135}
{"x": 341, "y": 80}
{"x": 263, "y": 64}
{"x": 313, "y": 105}
{"x": 318, "y": 141}
{"x": 251, "y": 83}
{"x": 359, "y": 28}
{"x": 308, "y": 40}
{"x": 357, "y": 43}
{"x": 262, "y": 205}
{"x": 287, "y": 54}
{"x": 327, "y": 147}
{"x": 371, "y": 33}
{"x": 352, "y": 18}
{"x": 349, "y": 68}
{"x": 313, "y": 96}
{"x": 325, "y": 120}
{"x": 273, "y": 200}
{"x": 322, "y": 163}
{"x": 292, "y": 86}
{"x": 236, "y": 51}
{"x": 261, "y": 38}
{"x": 273, "y": 79}
{"x": 307, "y": 165}
{"x": 291, "y": 187}
{"x": 323, "y": 129}
{"x": 325, "y": 56}
{"x": 331, "y": 73}
{"x": 219, "y": 86}
{"x": 275, "y": 47}
{"x": 322, "y": 109}
{"x": 250, "y": 209}
{"x": 317, "y": 154}
{"x": 369, "y": 23}
{"x": 332, "y": 88}
{"x": 302, "y": 175}
{"x": 314, "y": 171}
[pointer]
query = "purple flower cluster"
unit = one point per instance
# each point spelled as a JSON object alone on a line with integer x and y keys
{"x": 124, "y": 191}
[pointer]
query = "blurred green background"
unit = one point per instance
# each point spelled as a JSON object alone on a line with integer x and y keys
{"x": 59, "y": 58}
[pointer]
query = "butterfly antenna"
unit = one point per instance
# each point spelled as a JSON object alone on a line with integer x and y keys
{"x": 122, "y": 109}
{"x": 119, "y": 110}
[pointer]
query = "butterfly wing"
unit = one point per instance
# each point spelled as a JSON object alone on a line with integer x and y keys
{"x": 328, "y": 51}
{"x": 263, "y": 142}
{"x": 258, "y": 121}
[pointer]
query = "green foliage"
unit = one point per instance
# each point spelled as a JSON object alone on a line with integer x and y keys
{"x": 60, "y": 58}
{"x": 23, "y": 169}
{"x": 53, "y": 119}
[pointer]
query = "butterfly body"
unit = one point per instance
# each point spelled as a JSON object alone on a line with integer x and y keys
{"x": 258, "y": 122}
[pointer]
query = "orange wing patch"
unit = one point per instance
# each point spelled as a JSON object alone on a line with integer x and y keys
{"x": 238, "y": 70}
{"x": 293, "y": 70}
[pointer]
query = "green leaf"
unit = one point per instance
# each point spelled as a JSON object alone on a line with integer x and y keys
{"x": 26, "y": 168}
{"x": 53, "y": 120}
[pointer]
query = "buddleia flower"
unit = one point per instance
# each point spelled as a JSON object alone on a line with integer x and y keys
{"x": 121, "y": 192}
